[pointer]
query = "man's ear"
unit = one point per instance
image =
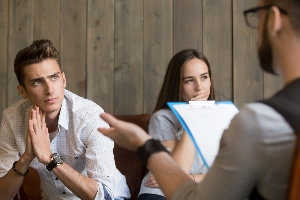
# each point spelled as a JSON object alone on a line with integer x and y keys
{"x": 22, "y": 91}
{"x": 275, "y": 21}
{"x": 64, "y": 79}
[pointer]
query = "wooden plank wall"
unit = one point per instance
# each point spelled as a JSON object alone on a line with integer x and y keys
{"x": 3, "y": 53}
{"x": 247, "y": 75}
{"x": 217, "y": 44}
{"x": 115, "y": 52}
{"x": 158, "y": 47}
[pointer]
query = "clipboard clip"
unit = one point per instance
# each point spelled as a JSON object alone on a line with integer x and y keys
{"x": 201, "y": 104}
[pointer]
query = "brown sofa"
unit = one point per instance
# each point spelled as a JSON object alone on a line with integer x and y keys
{"x": 126, "y": 162}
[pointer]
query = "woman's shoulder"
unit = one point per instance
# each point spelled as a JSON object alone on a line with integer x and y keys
{"x": 164, "y": 125}
{"x": 164, "y": 114}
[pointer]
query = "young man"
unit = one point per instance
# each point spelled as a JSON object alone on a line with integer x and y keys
{"x": 55, "y": 132}
{"x": 257, "y": 150}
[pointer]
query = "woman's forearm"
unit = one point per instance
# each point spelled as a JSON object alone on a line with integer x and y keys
{"x": 183, "y": 153}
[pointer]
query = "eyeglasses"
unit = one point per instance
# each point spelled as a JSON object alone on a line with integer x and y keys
{"x": 252, "y": 18}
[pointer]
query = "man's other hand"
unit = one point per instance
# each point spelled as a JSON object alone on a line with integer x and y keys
{"x": 39, "y": 135}
{"x": 125, "y": 134}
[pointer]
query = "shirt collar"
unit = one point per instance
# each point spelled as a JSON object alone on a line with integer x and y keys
{"x": 64, "y": 115}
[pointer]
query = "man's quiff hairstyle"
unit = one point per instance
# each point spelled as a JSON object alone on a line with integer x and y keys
{"x": 292, "y": 7}
{"x": 37, "y": 52}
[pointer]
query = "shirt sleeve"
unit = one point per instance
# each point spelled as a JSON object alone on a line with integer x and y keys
{"x": 162, "y": 126}
{"x": 243, "y": 160}
{"x": 8, "y": 148}
{"x": 100, "y": 164}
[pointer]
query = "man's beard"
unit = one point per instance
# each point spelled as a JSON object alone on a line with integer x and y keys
{"x": 265, "y": 51}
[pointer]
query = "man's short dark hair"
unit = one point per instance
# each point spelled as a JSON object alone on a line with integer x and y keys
{"x": 37, "y": 52}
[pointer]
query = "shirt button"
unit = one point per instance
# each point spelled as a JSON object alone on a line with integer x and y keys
{"x": 56, "y": 178}
{"x": 64, "y": 193}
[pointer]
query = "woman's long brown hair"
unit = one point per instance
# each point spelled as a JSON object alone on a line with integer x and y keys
{"x": 170, "y": 90}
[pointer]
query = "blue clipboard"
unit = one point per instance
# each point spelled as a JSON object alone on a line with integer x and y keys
{"x": 217, "y": 107}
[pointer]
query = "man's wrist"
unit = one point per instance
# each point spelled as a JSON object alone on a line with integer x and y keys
{"x": 25, "y": 159}
{"x": 21, "y": 166}
{"x": 142, "y": 140}
{"x": 55, "y": 160}
{"x": 17, "y": 171}
{"x": 46, "y": 158}
{"x": 150, "y": 147}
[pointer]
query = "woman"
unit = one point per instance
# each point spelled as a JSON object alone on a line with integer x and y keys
{"x": 188, "y": 78}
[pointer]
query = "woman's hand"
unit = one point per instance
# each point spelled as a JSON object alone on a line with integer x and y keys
{"x": 197, "y": 177}
{"x": 201, "y": 97}
{"x": 151, "y": 182}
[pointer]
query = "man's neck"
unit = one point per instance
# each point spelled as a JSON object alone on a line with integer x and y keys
{"x": 291, "y": 66}
{"x": 52, "y": 121}
{"x": 288, "y": 57}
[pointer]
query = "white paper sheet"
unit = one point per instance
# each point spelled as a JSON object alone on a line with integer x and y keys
{"x": 205, "y": 125}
